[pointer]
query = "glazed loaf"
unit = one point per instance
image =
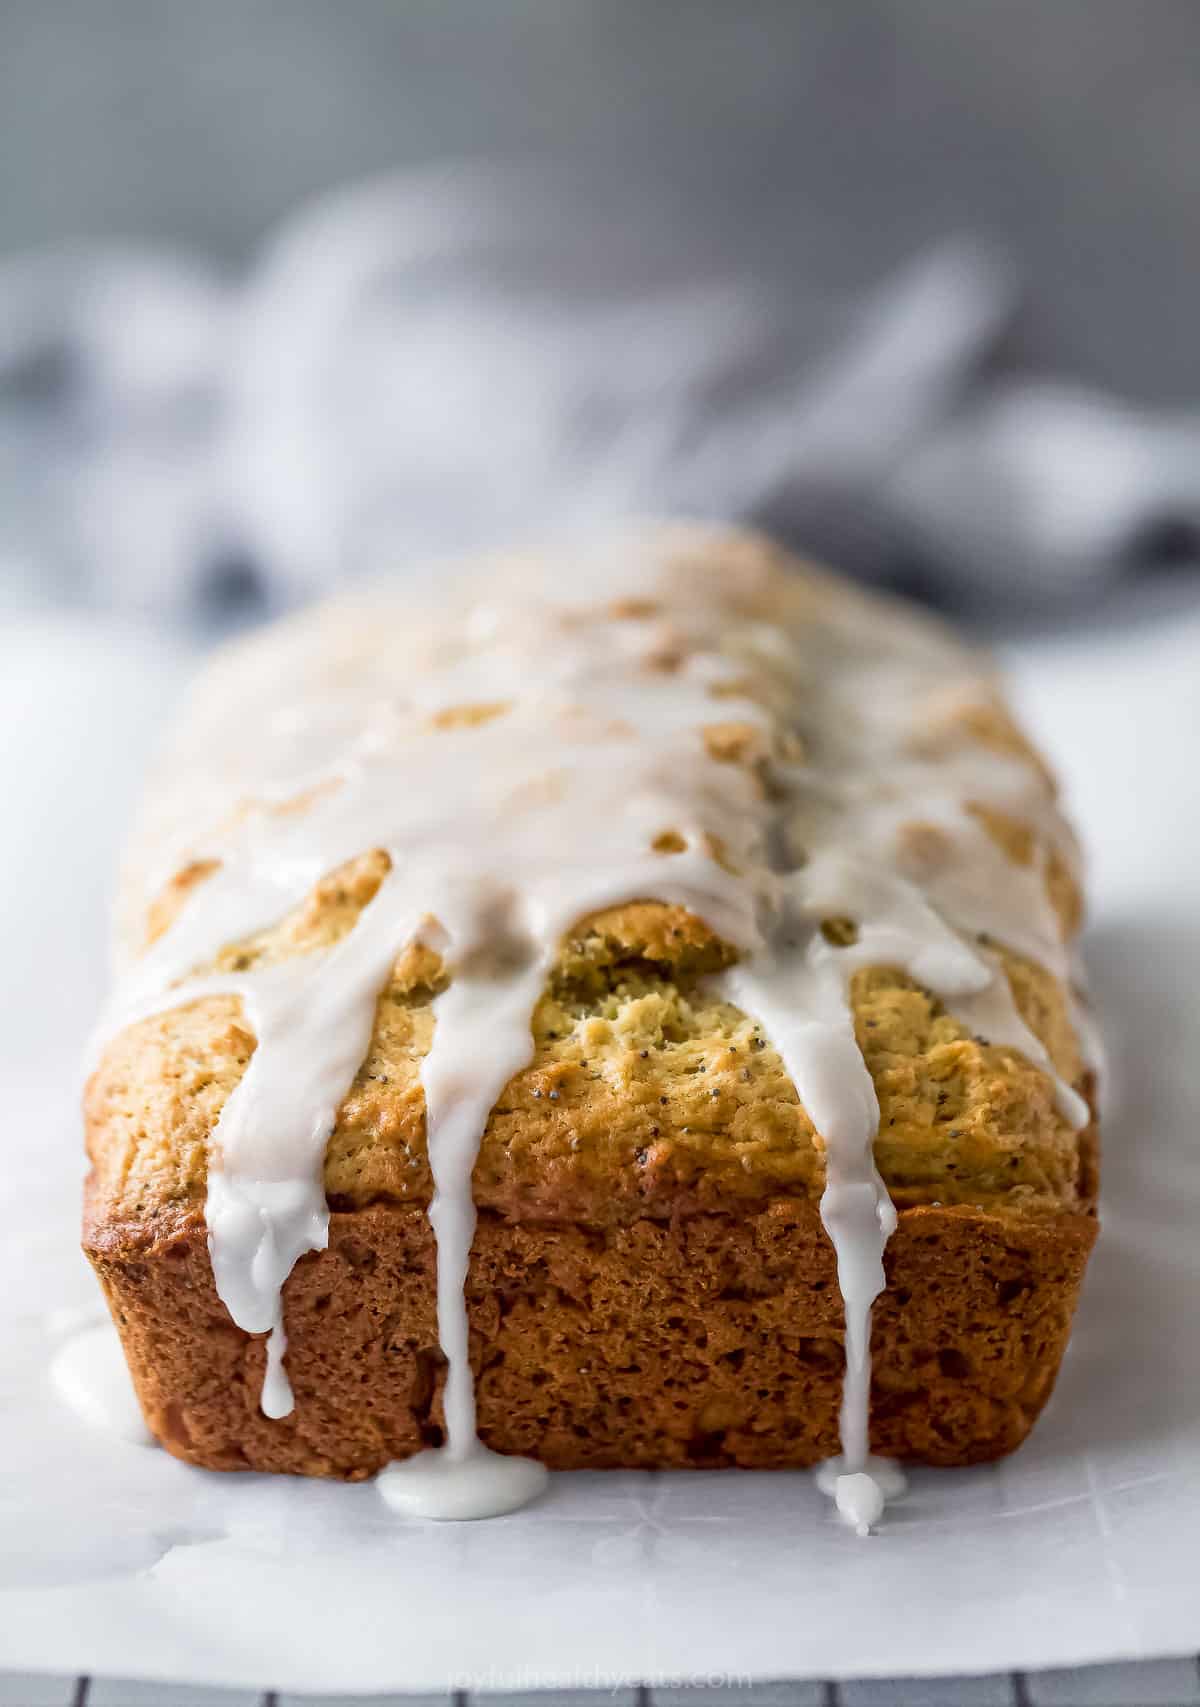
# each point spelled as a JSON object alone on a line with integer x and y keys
{"x": 836, "y": 818}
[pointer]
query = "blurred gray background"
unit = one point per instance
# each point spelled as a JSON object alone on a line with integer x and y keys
{"x": 837, "y": 134}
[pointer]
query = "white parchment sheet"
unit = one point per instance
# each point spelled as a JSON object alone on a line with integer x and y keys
{"x": 115, "y": 1558}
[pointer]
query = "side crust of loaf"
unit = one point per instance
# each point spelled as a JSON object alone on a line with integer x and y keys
{"x": 705, "y": 1341}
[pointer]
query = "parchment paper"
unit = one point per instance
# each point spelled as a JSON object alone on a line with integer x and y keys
{"x": 1082, "y": 1547}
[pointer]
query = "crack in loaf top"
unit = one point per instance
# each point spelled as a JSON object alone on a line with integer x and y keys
{"x": 709, "y": 803}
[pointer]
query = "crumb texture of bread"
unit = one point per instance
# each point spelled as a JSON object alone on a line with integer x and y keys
{"x": 650, "y": 1283}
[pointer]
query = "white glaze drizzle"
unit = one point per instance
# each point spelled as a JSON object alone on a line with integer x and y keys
{"x": 503, "y": 834}
{"x": 861, "y": 1496}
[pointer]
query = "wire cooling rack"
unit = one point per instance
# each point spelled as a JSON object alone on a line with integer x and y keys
{"x": 1145, "y": 1683}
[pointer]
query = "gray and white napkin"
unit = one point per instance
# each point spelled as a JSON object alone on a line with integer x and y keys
{"x": 454, "y": 358}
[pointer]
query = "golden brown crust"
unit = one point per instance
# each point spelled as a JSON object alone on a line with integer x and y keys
{"x": 701, "y": 1340}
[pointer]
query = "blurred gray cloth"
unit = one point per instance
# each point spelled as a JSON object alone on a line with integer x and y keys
{"x": 455, "y": 359}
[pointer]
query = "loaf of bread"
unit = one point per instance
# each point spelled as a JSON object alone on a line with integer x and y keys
{"x": 740, "y": 910}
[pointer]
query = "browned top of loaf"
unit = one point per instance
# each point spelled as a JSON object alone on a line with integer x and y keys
{"x": 645, "y": 1093}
